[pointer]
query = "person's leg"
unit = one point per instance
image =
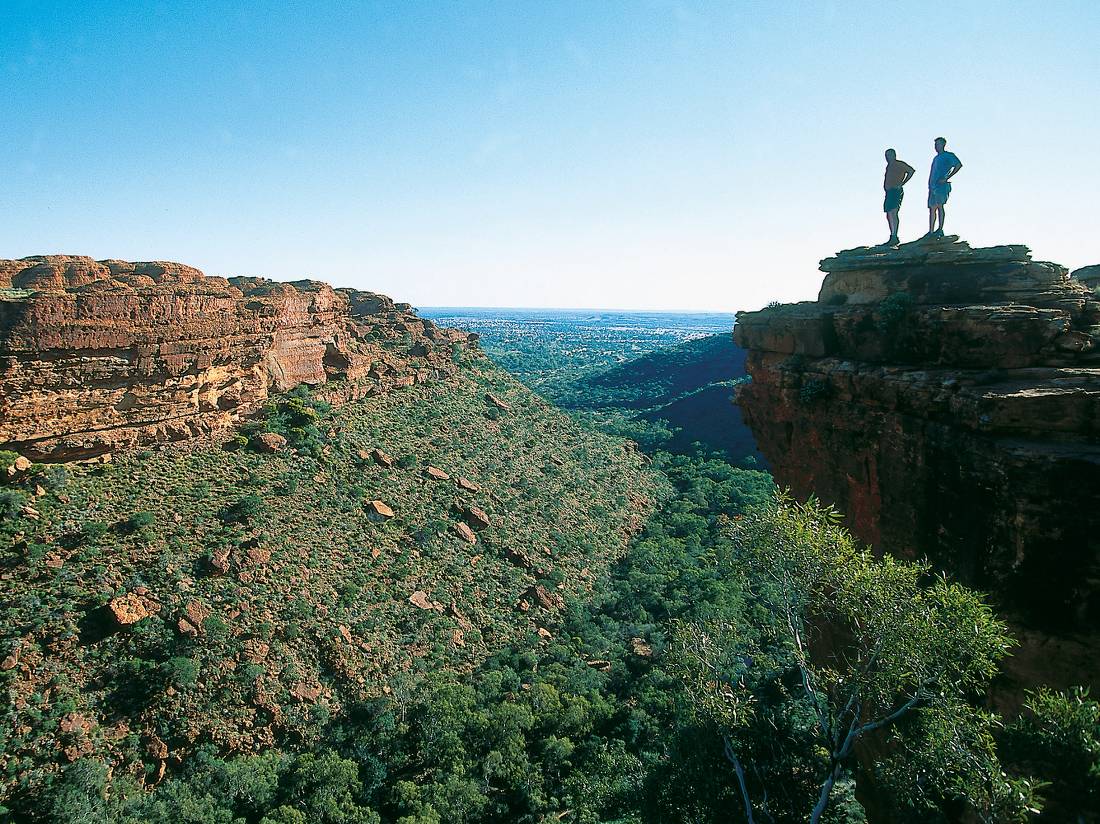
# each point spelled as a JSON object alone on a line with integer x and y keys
{"x": 932, "y": 219}
{"x": 892, "y": 222}
{"x": 943, "y": 215}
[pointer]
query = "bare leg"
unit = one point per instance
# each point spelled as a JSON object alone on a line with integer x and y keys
{"x": 943, "y": 216}
{"x": 931, "y": 219}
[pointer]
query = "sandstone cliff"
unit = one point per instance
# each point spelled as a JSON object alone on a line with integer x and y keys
{"x": 947, "y": 401}
{"x": 100, "y": 355}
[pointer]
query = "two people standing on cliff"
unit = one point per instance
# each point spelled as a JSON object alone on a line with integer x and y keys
{"x": 945, "y": 165}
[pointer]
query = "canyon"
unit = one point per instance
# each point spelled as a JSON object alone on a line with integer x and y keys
{"x": 946, "y": 399}
{"x": 97, "y": 356}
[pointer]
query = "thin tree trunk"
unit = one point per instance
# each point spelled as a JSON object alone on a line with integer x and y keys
{"x": 733, "y": 759}
{"x": 823, "y": 799}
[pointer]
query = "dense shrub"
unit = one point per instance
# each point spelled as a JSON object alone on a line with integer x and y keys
{"x": 11, "y": 503}
{"x": 243, "y": 510}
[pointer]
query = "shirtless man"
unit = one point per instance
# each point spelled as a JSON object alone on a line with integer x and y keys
{"x": 898, "y": 173}
{"x": 945, "y": 165}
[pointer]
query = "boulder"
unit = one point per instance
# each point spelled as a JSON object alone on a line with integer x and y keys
{"x": 130, "y": 608}
{"x": 494, "y": 401}
{"x": 420, "y": 599}
{"x": 219, "y": 560}
{"x": 377, "y": 510}
{"x": 269, "y": 442}
{"x": 476, "y": 518}
{"x": 17, "y": 467}
{"x": 464, "y": 532}
{"x": 467, "y": 484}
{"x": 381, "y": 458}
{"x": 436, "y": 474}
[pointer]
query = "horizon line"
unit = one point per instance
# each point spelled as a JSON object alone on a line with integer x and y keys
{"x": 586, "y": 309}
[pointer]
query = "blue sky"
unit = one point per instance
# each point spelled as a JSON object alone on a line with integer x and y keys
{"x": 656, "y": 155}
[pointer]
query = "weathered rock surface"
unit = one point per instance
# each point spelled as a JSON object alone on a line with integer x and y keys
{"x": 269, "y": 441}
{"x": 101, "y": 355}
{"x": 947, "y": 401}
{"x": 132, "y": 607}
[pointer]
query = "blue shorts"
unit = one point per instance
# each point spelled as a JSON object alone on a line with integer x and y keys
{"x": 893, "y": 199}
{"x": 938, "y": 194}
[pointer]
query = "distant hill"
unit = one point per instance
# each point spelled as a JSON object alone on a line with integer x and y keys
{"x": 688, "y": 386}
{"x": 710, "y": 417}
{"x": 660, "y": 377}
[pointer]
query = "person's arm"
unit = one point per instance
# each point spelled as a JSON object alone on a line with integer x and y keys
{"x": 958, "y": 164}
{"x": 909, "y": 172}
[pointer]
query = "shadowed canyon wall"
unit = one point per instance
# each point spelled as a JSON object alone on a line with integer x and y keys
{"x": 947, "y": 401}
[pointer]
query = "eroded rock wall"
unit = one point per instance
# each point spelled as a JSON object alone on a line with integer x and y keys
{"x": 101, "y": 355}
{"x": 947, "y": 401}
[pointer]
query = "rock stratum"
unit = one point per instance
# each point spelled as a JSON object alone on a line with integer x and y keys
{"x": 101, "y": 355}
{"x": 947, "y": 400}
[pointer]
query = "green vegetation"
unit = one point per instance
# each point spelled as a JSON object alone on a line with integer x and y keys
{"x": 273, "y": 604}
{"x": 1058, "y": 737}
{"x": 304, "y": 660}
{"x": 846, "y": 647}
{"x": 294, "y": 417}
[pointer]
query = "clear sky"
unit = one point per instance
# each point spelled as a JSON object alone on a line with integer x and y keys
{"x": 656, "y": 155}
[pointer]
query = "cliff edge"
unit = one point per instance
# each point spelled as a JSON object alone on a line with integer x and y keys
{"x": 101, "y": 355}
{"x": 947, "y": 400}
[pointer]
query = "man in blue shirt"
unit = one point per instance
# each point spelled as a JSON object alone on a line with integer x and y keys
{"x": 945, "y": 165}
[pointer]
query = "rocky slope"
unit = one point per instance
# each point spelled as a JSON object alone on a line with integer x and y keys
{"x": 947, "y": 401}
{"x": 98, "y": 355}
{"x": 232, "y": 594}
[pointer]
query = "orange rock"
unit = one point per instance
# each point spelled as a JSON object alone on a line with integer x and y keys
{"x": 493, "y": 400}
{"x": 306, "y": 692}
{"x": 131, "y": 608}
{"x": 259, "y": 555}
{"x": 381, "y": 458}
{"x": 269, "y": 442}
{"x": 468, "y": 485}
{"x": 219, "y": 559}
{"x": 205, "y": 351}
{"x": 185, "y": 627}
{"x": 74, "y": 722}
{"x": 378, "y": 510}
{"x": 477, "y": 518}
{"x": 464, "y": 532}
{"x": 196, "y": 612}
{"x": 436, "y": 474}
{"x": 156, "y": 748}
{"x": 549, "y": 600}
{"x": 420, "y": 599}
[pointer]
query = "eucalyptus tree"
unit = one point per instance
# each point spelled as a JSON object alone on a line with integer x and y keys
{"x": 837, "y": 650}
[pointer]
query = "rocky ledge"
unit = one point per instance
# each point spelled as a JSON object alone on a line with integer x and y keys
{"x": 101, "y": 355}
{"x": 947, "y": 400}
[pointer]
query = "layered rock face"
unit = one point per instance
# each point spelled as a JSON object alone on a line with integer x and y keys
{"x": 101, "y": 355}
{"x": 947, "y": 401}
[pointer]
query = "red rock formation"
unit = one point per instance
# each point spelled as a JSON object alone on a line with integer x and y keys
{"x": 947, "y": 401}
{"x": 98, "y": 355}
